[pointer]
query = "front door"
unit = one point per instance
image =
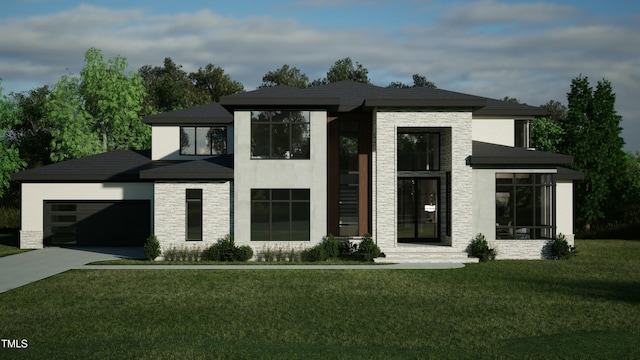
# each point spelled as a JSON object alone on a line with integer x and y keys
{"x": 418, "y": 209}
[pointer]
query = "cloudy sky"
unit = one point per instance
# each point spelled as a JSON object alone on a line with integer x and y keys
{"x": 529, "y": 50}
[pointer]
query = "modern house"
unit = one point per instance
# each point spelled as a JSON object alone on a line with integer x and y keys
{"x": 422, "y": 170}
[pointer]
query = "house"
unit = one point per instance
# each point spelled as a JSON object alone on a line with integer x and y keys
{"x": 422, "y": 170}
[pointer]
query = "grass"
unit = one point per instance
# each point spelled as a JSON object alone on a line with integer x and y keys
{"x": 584, "y": 308}
{"x": 9, "y": 242}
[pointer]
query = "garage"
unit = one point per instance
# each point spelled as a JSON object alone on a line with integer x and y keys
{"x": 96, "y": 223}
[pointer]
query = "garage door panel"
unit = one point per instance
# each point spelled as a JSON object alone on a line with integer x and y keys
{"x": 97, "y": 223}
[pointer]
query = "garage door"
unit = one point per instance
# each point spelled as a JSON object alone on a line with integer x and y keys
{"x": 97, "y": 223}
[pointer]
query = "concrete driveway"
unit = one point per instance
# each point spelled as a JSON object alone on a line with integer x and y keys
{"x": 21, "y": 269}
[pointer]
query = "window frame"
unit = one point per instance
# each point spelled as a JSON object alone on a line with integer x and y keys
{"x": 193, "y": 201}
{"x": 276, "y": 199}
{"x": 210, "y": 136}
{"x": 522, "y": 133}
{"x": 266, "y": 118}
{"x": 539, "y": 192}
{"x": 401, "y": 158}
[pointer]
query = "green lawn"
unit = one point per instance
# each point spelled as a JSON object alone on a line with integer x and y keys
{"x": 587, "y": 307}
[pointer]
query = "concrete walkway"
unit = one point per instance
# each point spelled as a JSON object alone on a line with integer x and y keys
{"x": 24, "y": 268}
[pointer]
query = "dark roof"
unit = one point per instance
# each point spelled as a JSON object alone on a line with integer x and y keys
{"x": 568, "y": 174}
{"x": 202, "y": 114}
{"x": 492, "y": 154}
{"x": 505, "y": 108}
{"x": 214, "y": 168}
{"x": 350, "y": 95}
{"x": 129, "y": 166}
{"x": 117, "y": 165}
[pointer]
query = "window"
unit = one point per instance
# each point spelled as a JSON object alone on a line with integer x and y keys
{"x": 525, "y": 206}
{"x": 418, "y": 151}
{"x": 194, "y": 214}
{"x": 522, "y": 136}
{"x": 349, "y": 178}
{"x": 211, "y": 140}
{"x": 280, "y": 215}
{"x": 280, "y": 134}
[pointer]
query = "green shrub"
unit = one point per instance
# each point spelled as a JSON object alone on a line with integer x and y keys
{"x": 331, "y": 246}
{"x": 152, "y": 247}
{"x": 560, "y": 248}
{"x": 480, "y": 249}
{"x": 171, "y": 254}
{"x": 9, "y": 218}
{"x": 368, "y": 249}
{"x": 314, "y": 254}
{"x": 226, "y": 250}
{"x": 244, "y": 253}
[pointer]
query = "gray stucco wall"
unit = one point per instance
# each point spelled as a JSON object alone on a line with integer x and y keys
{"x": 280, "y": 174}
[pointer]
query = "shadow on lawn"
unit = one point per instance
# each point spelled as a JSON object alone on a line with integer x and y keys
{"x": 10, "y": 237}
{"x": 616, "y": 290}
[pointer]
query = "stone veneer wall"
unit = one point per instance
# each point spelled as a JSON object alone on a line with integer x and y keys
{"x": 454, "y": 155}
{"x": 31, "y": 239}
{"x": 170, "y": 213}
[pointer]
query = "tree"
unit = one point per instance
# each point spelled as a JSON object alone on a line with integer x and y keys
{"x": 344, "y": 69}
{"x": 98, "y": 111}
{"x": 555, "y": 111}
{"x": 418, "y": 81}
{"x": 546, "y": 135}
{"x": 32, "y": 134}
{"x": 592, "y": 129}
{"x": 285, "y": 76}
{"x": 168, "y": 87}
{"x": 10, "y": 161}
{"x": 212, "y": 83}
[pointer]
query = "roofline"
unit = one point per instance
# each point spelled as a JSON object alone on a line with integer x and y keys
{"x": 169, "y": 120}
{"x": 448, "y": 103}
{"x": 288, "y": 102}
{"x": 528, "y": 112}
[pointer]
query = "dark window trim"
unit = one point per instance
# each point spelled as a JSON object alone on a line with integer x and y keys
{"x": 536, "y": 186}
{"x": 193, "y": 197}
{"x": 270, "y": 201}
{"x": 448, "y": 203}
{"x": 271, "y": 123}
{"x": 522, "y": 140}
{"x": 211, "y": 142}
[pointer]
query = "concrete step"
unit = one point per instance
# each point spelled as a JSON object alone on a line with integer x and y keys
{"x": 425, "y": 254}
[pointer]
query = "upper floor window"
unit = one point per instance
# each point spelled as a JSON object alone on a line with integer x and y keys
{"x": 522, "y": 136}
{"x": 210, "y": 140}
{"x": 280, "y": 134}
{"x": 418, "y": 151}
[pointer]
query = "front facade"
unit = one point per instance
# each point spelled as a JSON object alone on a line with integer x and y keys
{"x": 421, "y": 170}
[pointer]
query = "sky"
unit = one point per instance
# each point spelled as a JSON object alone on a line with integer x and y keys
{"x": 524, "y": 49}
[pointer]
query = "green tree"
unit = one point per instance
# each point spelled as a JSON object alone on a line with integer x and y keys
{"x": 285, "y": 76}
{"x": 168, "y": 87}
{"x": 212, "y": 83}
{"x": 32, "y": 134}
{"x": 592, "y": 136}
{"x": 546, "y": 135}
{"x": 556, "y": 111}
{"x": 418, "y": 81}
{"x": 344, "y": 69}
{"x": 10, "y": 161}
{"x": 98, "y": 111}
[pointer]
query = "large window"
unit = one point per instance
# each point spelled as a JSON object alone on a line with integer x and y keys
{"x": 194, "y": 214}
{"x": 280, "y": 134}
{"x": 349, "y": 178}
{"x": 280, "y": 215}
{"x": 210, "y": 140}
{"x": 525, "y": 206}
{"x": 418, "y": 151}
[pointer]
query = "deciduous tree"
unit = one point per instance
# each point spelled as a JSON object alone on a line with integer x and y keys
{"x": 285, "y": 76}
{"x": 10, "y": 161}
{"x": 418, "y": 81}
{"x": 212, "y": 83}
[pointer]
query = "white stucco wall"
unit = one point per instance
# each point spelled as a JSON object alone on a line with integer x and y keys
{"x": 564, "y": 212}
{"x": 165, "y": 142}
{"x": 280, "y": 174}
{"x": 495, "y": 131}
{"x": 171, "y": 219}
{"x": 33, "y": 195}
{"x": 453, "y": 158}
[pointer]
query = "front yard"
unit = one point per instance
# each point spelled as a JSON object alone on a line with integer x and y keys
{"x": 587, "y": 307}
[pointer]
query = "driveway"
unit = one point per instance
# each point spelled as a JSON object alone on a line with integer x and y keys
{"x": 21, "y": 269}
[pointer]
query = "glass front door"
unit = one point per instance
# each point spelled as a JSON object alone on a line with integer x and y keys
{"x": 418, "y": 209}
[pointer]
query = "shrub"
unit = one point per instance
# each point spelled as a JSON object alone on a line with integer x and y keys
{"x": 152, "y": 247}
{"x": 244, "y": 253}
{"x": 9, "y": 218}
{"x": 171, "y": 254}
{"x": 331, "y": 246}
{"x": 560, "y": 248}
{"x": 316, "y": 253}
{"x": 348, "y": 248}
{"x": 368, "y": 249}
{"x": 226, "y": 250}
{"x": 480, "y": 249}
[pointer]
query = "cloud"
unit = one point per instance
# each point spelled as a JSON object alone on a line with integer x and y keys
{"x": 552, "y": 45}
